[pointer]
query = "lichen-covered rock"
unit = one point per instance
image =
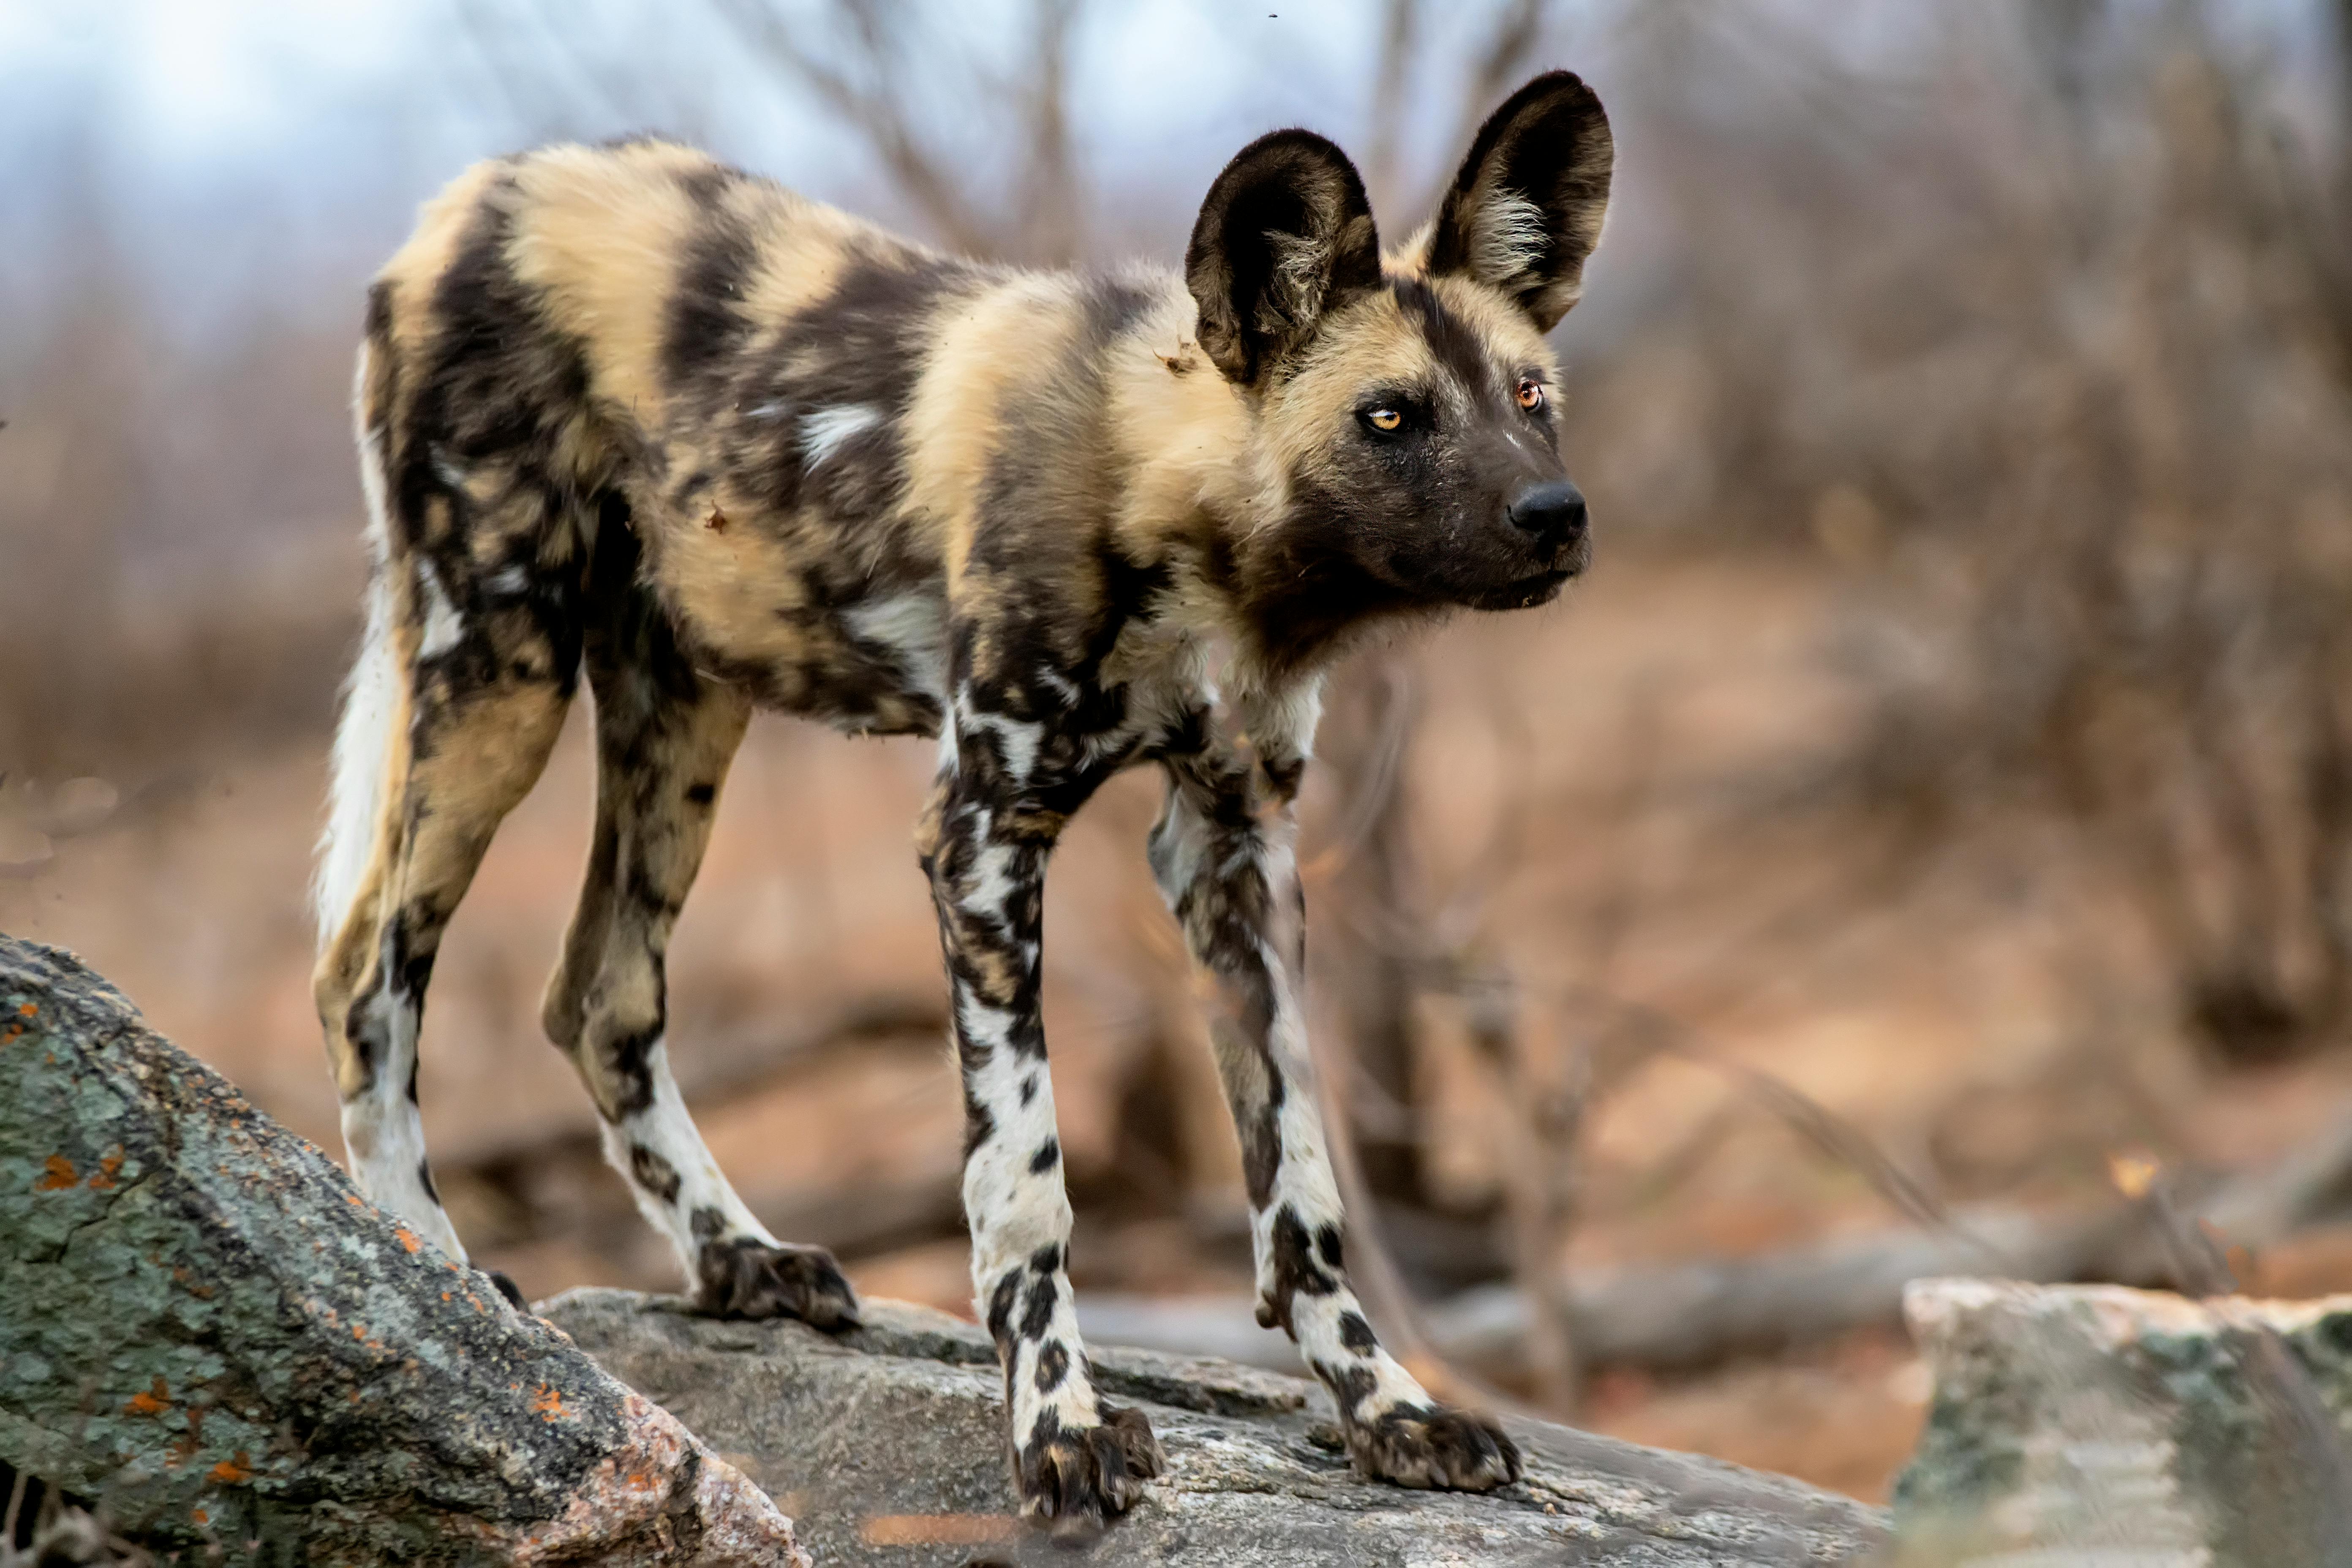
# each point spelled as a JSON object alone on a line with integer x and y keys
{"x": 888, "y": 1444}
{"x": 205, "y": 1326}
{"x": 2132, "y": 1428}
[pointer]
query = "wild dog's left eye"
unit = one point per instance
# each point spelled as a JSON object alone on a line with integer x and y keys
{"x": 1384, "y": 420}
{"x": 1531, "y": 393}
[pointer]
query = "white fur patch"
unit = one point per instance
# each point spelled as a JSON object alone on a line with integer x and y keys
{"x": 826, "y": 431}
{"x": 1282, "y": 719}
{"x": 1508, "y": 236}
{"x": 1176, "y": 846}
{"x": 384, "y": 1136}
{"x": 992, "y": 885}
{"x": 383, "y": 1140}
{"x": 1012, "y": 1209}
{"x": 1015, "y": 741}
{"x": 444, "y": 627}
{"x": 912, "y": 626}
{"x": 1302, "y": 266}
{"x": 665, "y": 1128}
{"x": 364, "y": 733}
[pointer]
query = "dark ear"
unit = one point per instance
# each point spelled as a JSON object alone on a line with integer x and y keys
{"x": 1285, "y": 237}
{"x": 1525, "y": 209}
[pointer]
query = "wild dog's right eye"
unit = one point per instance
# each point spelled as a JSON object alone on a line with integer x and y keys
{"x": 1387, "y": 421}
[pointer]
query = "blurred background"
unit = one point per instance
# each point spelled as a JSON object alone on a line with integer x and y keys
{"x": 1924, "y": 843}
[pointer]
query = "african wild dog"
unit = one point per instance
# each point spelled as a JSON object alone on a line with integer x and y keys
{"x": 628, "y": 410}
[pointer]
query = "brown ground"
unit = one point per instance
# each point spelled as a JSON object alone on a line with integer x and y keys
{"x": 1982, "y": 1025}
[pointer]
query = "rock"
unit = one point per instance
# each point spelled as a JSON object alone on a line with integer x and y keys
{"x": 204, "y": 1328}
{"x": 887, "y": 1444}
{"x": 2129, "y": 1429}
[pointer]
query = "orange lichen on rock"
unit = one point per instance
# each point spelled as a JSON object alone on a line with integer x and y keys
{"x": 236, "y": 1470}
{"x": 407, "y": 1237}
{"x": 156, "y": 1400}
{"x": 548, "y": 1402}
{"x": 57, "y": 1175}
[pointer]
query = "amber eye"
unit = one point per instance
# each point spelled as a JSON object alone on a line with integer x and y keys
{"x": 1384, "y": 420}
{"x": 1531, "y": 393}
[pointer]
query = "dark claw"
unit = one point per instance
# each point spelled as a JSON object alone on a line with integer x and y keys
{"x": 1434, "y": 1446}
{"x": 744, "y": 1277}
{"x": 510, "y": 1290}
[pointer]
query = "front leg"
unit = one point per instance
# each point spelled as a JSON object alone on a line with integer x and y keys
{"x": 1230, "y": 877}
{"x": 1076, "y": 1460}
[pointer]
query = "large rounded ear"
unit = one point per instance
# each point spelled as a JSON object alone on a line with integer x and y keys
{"x": 1284, "y": 238}
{"x": 1525, "y": 209}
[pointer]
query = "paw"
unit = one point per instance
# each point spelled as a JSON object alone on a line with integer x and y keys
{"x": 510, "y": 1290}
{"x": 1434, "y": 1446}
{"x": 742, "y": 1277}
{"x": 1076, "y": 1479}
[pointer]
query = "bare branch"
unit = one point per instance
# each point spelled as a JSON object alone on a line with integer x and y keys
{"x": 875, "y": 107}
{"x": 1400, "y": 33}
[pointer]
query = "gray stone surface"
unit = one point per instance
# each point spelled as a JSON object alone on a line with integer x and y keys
{"x": 2123, "y": 1428}
{"x": 205, "y": 1326}
{"x": 885, "y": 1445}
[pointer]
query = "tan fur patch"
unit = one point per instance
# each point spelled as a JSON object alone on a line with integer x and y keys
{"x": 598, "y": 234}
{"x": 1368, "y": 343}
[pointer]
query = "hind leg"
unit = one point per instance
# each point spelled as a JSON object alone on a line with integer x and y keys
{"x": 664, "y": 736}
{"x": 464, "y": 728}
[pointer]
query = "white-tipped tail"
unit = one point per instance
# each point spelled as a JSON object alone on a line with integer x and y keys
{"x": 372, "y": 706}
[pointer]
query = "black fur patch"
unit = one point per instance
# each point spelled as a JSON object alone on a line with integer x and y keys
{"x": 979, "y": 1124}
{"x": 1286, "y": 191}
{"x": 1349, "y": 1385}
{"x": 1052, "y": 1366}
{"x": 1296, "y": 1271}
{"x": 1001, "y": 1303}
{"x": 1450, "y": 338}
{"x": 1037, "y": 1313}
{"x": 627, "y": 1067}
{"x": 707, "y": 329}
{"x": 1310, "y": 588}
{"x": 653, "y": 1173}
{"x": 1328, "y": 1247}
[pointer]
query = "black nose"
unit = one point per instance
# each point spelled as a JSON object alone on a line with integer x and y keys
{"x": 1552, "y": 514}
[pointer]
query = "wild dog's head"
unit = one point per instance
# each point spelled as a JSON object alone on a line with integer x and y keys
{"x": 1406, "y": 411}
